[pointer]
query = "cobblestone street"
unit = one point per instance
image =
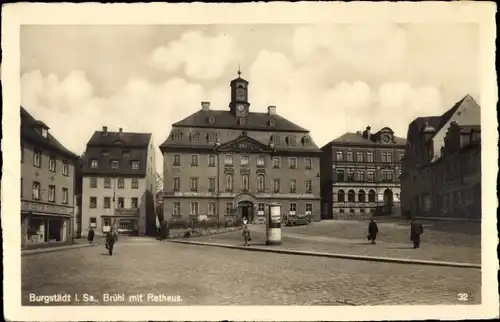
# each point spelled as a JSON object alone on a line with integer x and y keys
{"x": 215, "y": 276}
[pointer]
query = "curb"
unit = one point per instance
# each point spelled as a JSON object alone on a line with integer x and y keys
{"x": 335, "y": 255}
{"x": 53, "y": 249}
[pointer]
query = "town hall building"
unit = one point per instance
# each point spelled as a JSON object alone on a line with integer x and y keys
{"x": 228, "y": 164}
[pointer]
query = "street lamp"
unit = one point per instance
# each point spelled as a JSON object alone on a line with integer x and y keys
{"x": 217, "y": 191}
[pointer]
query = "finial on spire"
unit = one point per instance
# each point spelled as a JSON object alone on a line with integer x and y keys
{"x": 239, "y": 70}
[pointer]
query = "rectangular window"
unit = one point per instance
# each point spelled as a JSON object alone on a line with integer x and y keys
{"x": 309, "y": 208}
{"x": 36, "y": 190}
{"x": 340, "y": 156}
{"x": 350, "y": 174}
{"x": 340, "y": 175}
{"x": 93, "y": 202}
{"x": 94, "y": 164}
{"x": 359, "y": 157}
{"x": 293, "y": 208}
{"x": 228, "y": 159}
{"x": 107, "y": 202}
{"x": 244, "y": 160}
{"x": 276, "y": 186}
{"x": 114, "y": 164}
{"x": 52, "y": 164}
{"x": 126, "y": 153}
{"x": 65, "y": 195}
{"x": 387, "y": 175}
{"x": 261, "y": 208}
{"x": 121, "y": 183}
{"x": 135, "y": 203}
{"x": 176, "y": 159}
{"x": 229, "y": 209}
{"x": 65, "y": 168}
{"x": 93, "y": 182}
{"x": 349, "y": 156}
{"x": 308, "y": 163}
{"x": 135, "y": 184}
{"x": 193, "y": 184}
{"x": 260, "y": 162}
{"x": 293, "y": 186}
{"x": 93, "y": 222}
{"x": 176, "y": 208}
{"x": 135, "y": 165}
{"x": 401, "y": 155}
{"x": 276, "y": 162}
{"x": 37, "y": 158}
{"x": 292, "y": 163}
{"x": 386, "y": 157}
{"x": 121, "y": 203}
{"x": 361, "y": 176}
{"x": 211, "y": 208}
{"x": 369, "y": 156}
{"x": 176, "y": 183}
{"x": 370, "y": 174}
{"x": 308, "y": 186}
{"x": 194, "y": 208}
{"x": 211, "y": 184}
{"x": 107, "y": 183}
{"x": 211, "y": 160}
{"x": 194, "y": 160}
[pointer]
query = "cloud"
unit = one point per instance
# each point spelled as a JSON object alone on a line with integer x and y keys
{"x": 203, "y": 57}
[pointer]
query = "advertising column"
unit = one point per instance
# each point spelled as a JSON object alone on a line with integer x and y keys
{"x": 273, "y": 225}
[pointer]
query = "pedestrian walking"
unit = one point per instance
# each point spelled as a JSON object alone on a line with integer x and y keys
{"x": 246, "y": 235}
{"x": 372, "y": 231}
{"x": 416, "y": 229}
{"x": 90, "y": 236}
{"x": 111, "y": 239}
{"x": 164, "y": 230}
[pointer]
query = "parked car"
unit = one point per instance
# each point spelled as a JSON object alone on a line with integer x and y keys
{"x": 297, "y": 220}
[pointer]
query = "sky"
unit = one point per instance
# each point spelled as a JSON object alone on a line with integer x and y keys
{"x": 329, "y": 78}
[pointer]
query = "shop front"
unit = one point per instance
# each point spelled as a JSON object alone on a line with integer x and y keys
{"x": 124, "y": 222}
{"x": 45, "y": 224}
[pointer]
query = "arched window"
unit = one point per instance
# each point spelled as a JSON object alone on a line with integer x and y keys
{"x": 244, "y": 182}
{"x": 229, "y": 182}
{"x": 351, "y": 196}
{"x": 361, "y": 196}
{"x": 261, "y": 182}
{"x": 195, "y": 137}
{"x": 341, "y": 211}
{"x": 228, "y": 159}
{"x": 176, "y": 135}
{"x": 341, "y": 196}
{"x": 371, "y": 196}
{"x": 351, "y": 211}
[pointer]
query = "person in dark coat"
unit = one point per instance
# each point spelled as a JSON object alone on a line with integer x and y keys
{"x": 164, "y": 230}
{"x": 372, "y": 231}
{"x": 91, "y": 235}
{"x": 246, "y": 235}
{"x": 111, "y": 239}
{"x": 416, "y": 229}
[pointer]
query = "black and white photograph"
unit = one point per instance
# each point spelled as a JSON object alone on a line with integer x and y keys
{"x": 219, "y": 161}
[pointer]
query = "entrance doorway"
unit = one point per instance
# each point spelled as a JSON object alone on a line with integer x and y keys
{"x": 388, "y": 201}
{"x": 246, "y": 208}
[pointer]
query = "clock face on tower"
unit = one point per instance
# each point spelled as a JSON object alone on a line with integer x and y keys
{"x": 386, "y": 138}
{"x": 240, "y": 107}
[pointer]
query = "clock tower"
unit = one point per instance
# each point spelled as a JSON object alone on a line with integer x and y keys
{"x": 239, "y": 105}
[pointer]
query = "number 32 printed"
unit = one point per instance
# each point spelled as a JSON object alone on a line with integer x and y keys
{"x": 463, "y": 297}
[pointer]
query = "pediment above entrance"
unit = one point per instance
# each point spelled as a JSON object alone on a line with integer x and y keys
{"x": 244, "y": 144}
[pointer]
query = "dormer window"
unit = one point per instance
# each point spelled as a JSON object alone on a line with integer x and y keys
{"x": 114, "y": 164}
{"x": 126, "y": 153}
{"x": 94, "y": 164}
{"x": 211, "y": 137}
{"x": 275, "y": 139}
{"x": 176, "y": 135}
{"x": 195, "y": 137}
{"x": 306, "y": 140}
{"x": 291, "y": 140}
{"x": 135, "y": 165}
{"x": 105, "y": 152}
{"x": 271, "y": 123}
{"x": 211, "y": 120}
{"x": 45, "y": 133}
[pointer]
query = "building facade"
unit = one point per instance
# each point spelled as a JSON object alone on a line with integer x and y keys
{"x": 47, "y": 186}
{"x": 118, "y": 183}
{"x": 442, "y": 165}
{"x": 231, "y": 164}
{"x": 359, "y": 173}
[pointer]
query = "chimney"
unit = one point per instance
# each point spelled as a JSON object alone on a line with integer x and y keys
{"x": 104, "y": 130}
{"x": 205, "y": 106}
{"x": 271, "y": 110}
{"x": 120, "y": 130}
{"x": 366, "y": 133}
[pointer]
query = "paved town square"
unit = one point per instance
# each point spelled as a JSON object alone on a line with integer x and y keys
{"x": 179, "y": 274}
